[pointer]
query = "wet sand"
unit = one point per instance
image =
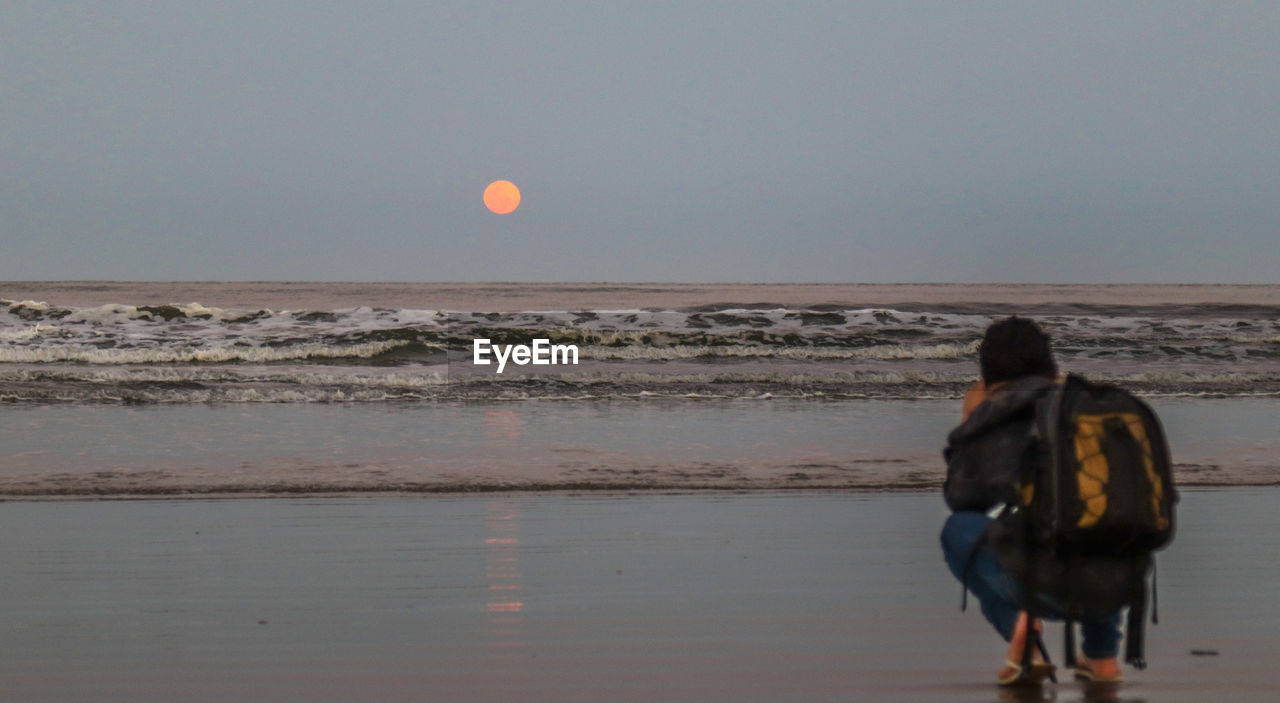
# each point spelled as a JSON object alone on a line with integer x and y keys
{"x": 658, "y": 597}
{"x": 264, "y": 448}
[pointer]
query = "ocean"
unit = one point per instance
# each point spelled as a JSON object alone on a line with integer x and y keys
{"x": 131, "y": 389}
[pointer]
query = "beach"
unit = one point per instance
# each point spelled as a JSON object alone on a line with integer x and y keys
{"x": 612, "y": 352}
{"x": 308, "y": 492}
{"x": 813, "y": 596}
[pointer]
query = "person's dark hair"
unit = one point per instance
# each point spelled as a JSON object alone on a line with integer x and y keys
{"x": 1013, "y": 348}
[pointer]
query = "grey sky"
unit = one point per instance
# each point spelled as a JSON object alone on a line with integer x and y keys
{"x": 684, "y": 141}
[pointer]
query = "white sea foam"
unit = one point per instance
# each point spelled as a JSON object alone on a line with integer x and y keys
{"x": 222, "y": 375}
{"x": 683, "y": 351}
{"x": 91, "y": 355}
{"x": 175, "y": 351}
{"x": 28, "y": 333}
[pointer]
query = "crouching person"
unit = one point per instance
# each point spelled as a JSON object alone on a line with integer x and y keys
{"x": 987, "y": 456}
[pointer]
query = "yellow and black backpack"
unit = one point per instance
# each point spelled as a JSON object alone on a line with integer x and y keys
{"x": 1097, "y": 502}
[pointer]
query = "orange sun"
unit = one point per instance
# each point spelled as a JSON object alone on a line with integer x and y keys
{"x": 502, "y": 197}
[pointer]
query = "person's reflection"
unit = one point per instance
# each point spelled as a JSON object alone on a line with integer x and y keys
{"x": 1090, "y": 693}
{"x": 1105, "y": 693}
{"x": 1027, "y": 694}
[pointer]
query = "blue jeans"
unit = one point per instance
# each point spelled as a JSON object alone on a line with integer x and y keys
{"x": 1000, "y": 594}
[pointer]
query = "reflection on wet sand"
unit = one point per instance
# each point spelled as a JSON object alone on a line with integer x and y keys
{"x": 505, "y": 603}
{"x": 681, "y": 598}
{"x": 1084, "y": 692}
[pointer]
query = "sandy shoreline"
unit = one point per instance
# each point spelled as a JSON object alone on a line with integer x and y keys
{"x": 691, "y": 597}
{"x": 504, "y": 297}
{"x": 195, "y": 485}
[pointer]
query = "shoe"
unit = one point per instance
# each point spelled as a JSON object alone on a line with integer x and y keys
{"x": 1013, "y": 673}
{"x": 1098, "y": 670}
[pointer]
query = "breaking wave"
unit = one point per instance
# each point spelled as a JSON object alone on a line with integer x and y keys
{"x": 183, "y": 353}
{"x": 90, "y": 355}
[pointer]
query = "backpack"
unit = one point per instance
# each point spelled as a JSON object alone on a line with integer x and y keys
{"x": 1097, "y": 499}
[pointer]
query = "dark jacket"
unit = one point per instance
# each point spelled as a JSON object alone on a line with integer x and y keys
{"x": 987, "y": 453}
{"x": 987, "y": 457}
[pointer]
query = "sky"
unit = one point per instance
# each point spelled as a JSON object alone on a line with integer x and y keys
{"x": 651, "y": 141}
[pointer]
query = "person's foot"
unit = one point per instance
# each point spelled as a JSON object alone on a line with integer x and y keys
{"x": 1013, "y": 673}
{"x": 1098, "y": 670}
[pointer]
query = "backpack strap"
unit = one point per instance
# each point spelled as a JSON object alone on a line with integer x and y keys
{"x": 1030, "y": 590}
{"x": 1069, "y": 643}
{"x": 1135, "y": 637}
{"x": 1155, "y": 614}
{"x": 1044, "y": 652}
{"x": 968, "y": 564}
{"x": 1029, "y": 595}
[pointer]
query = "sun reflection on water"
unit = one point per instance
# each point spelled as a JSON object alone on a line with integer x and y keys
{"x": 505, "y": 602}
